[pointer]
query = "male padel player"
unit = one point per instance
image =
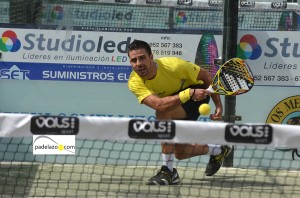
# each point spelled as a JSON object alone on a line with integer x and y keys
{"x": 175, "y": 89}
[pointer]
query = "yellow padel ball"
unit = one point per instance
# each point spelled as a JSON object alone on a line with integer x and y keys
{"x": 204, "y": 109}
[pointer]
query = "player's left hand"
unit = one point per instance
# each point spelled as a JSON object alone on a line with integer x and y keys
{"x": 217, "y": 116}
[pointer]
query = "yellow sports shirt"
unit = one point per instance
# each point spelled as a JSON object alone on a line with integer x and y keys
{"x": 173, "y": 74}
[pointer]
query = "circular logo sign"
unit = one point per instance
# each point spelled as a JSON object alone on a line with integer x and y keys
{"x": 286, "y": 111}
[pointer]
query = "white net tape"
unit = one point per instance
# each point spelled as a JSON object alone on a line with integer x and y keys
{"x": 126, "y": 129}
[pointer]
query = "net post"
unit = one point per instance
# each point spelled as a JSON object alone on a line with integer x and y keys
{"x": 230, "y": 28}
{"x": 230, "y": 102}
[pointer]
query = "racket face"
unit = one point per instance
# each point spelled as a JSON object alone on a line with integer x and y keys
{"x": 233, "y": 78}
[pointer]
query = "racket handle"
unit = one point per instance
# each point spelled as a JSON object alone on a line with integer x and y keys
{"x": 210, "y": 89}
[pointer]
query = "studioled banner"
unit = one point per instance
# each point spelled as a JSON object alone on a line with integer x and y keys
{"x": 31, "y": 54}
{"x": 40, "y": 54}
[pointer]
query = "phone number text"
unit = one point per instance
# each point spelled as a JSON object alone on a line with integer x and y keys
{"x": 166, "y": 45}
{"x": 276, "y": 78}
{"x": 166, "y": 49}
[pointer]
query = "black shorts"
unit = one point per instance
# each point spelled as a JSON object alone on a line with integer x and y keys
{"x": 191, "y": 107}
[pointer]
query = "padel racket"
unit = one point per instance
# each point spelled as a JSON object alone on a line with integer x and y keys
{"x": 233, "y": 78}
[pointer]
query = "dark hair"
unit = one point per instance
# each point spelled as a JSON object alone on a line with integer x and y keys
{"x": 138, "y": 44}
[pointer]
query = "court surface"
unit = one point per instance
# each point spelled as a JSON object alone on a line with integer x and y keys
{"x": 70, "y": 180}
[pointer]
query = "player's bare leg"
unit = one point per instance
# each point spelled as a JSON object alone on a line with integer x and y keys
{"x": 167, "y": 175}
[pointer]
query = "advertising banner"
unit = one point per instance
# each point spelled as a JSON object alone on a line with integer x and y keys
{"x": 272, "y": 56}
{"x": 106, "y": 15}
{"x": 31, "y": 54}
{"x": 37, "y": 54}
{"x": 192, "y": 19}
{"x": 131, "y": 17}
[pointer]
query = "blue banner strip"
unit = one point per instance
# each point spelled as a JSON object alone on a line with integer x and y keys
{"x": 64, "y": 72}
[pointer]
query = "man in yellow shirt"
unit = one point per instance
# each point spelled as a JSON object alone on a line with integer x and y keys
{"x": 174, "y": 88}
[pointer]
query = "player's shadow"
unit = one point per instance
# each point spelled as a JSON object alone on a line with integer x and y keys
{"x": 231, "y": 181}
{"x": 120, "y": 180}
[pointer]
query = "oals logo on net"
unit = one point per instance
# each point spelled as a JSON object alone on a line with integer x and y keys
{"x": 248, "y": 48}
{"x": 9, "y": 42}
{"x": 54, "y": 134}
{"x": 143, "y": 129}
{"x": 57, "y": 13}
{"x": 254, "y": 134}
{"x": 54, "y": 125}
{"x": 181, "y": 17}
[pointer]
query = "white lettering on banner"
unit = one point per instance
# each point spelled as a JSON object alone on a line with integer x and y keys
{"x": 123, "y": 77}
{"x": 14, "y": 73}
{"x": 149, "y": 127}
{"x": 53, "y": 122}
{"x": 257, "y": 134}
{"x": 249, "y": 131}
{"x": 78, "y": 75}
